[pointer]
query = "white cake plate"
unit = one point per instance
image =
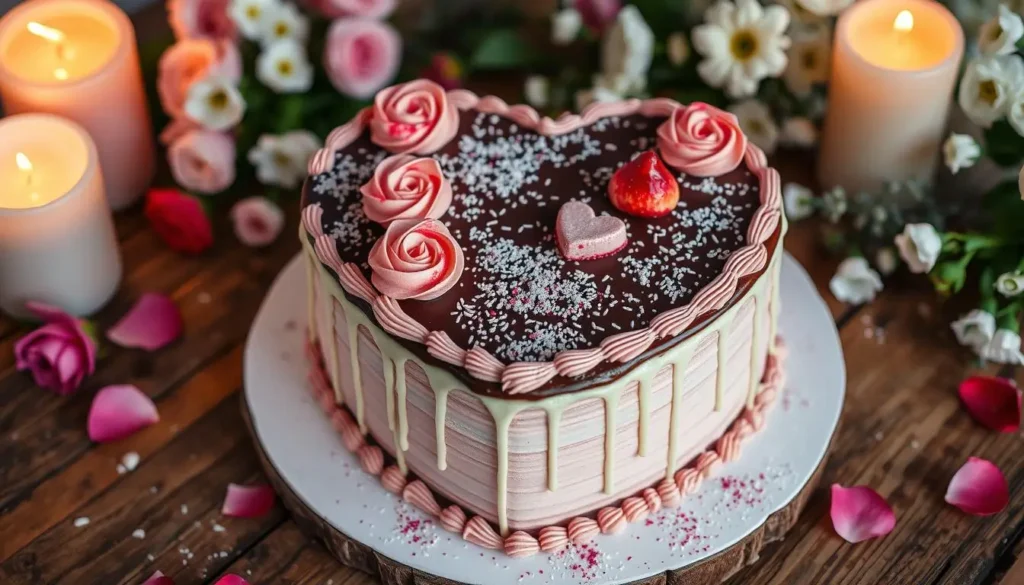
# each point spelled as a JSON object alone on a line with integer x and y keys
{"x": 710, "y": 535}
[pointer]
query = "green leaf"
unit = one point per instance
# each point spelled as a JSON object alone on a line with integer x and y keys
{"x": 290, "y": 113}
{"x": 1003, "y": 145}
{"x": 1004, "y": 206}
{"x": 502, "y": 49}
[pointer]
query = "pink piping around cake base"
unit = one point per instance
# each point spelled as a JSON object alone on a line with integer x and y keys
{"x": 667, "y": 493}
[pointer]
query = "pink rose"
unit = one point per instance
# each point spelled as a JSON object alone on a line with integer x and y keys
{"x": 702, "y": 140}
{"x": 370, "y": 9}
{"x": 413, "y": 117}
{"x": 60, "y": 354}
{"x": 177, "y": 128}
{"x": 406, "y": 187}
{"x": 203, "y": 161}
{"x": 598, "y": 14}
{"x": 201, "y": 19}
{"x": 189, "y": 61}
{"x": 416, "y": 259}
{"x": 361, "y": 56}
{"x": 257, "y": 221}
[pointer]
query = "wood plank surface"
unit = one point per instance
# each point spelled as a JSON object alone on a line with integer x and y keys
{"x": 902, "y": 432}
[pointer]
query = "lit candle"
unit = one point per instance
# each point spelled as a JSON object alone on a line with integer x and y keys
{"x": 894, "y": 67}
{"x": 77, "y": 59}
{"x": 57, "y": 241}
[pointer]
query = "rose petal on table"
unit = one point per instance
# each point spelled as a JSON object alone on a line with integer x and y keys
{"x": 152, "y": 323}
{"x": 231, "y": 580}
{"x": 158, "y": 578}
{"x": 119, "y": 411}
{"x": 247, "y": 501}
{"x": 978, "y": 488}
{"x": 859, "y": 513}
{"x": 992, "y": 401}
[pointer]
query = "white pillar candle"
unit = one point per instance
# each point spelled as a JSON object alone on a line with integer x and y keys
{"x": 77, "y": 59}
{"x": 894, "y": 66}
{"x": 57, "y": 241}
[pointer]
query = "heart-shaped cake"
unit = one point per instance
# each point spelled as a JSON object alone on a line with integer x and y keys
{"x": 453, "y": 333}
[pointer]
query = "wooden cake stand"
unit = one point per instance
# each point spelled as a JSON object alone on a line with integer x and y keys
{"x": 711, "y": 535}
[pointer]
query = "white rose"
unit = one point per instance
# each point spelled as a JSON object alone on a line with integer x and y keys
{"x": 975, "y": 329}
{"x": 757, "y": 123}
{"x": 1004, "y": 348}
{"x": 281, "y": 160}
{"x": 886, "y": 261}
{"x": 627, "y": 50}
{"x": 565, "y": 26}
{"x": 809, "y": 61}
{"x": 215, "y": 104}
{"x": 678, "y": 49}
{"x": 999, "y": 35}
{"x": 537, "y": 91}
{"x": 284, "y": 68}
{"x": 989, "y": 86}
{"x": 1010, "y": 284}
{"x": 960, "y": 151}
{"x": 919, "y": 246}
{"x": 800, "y": 132}
{"x": 855, "y": 282}
{"x": 798, "y": 201}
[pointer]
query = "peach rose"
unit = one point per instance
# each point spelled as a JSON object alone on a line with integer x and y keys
{"x": 406, "y": 187}
{"x": 702, "y": 140}
{"x": 201, "y": 19}
{"x": 413, "y": 117}
{"x": 361, "y": 56}
{"x": 189, "y": 61}
{"x": 416, "y": 259}
{"x": 203, "y": 161}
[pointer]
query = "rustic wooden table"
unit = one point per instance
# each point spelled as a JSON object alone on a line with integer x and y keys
{"x": 902, "y": 432}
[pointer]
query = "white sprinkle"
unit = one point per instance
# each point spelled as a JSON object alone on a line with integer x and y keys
{"x": 139, "y": 534}
{"x": 217, "y": 527}
{"x": 184, "y": 509}
{"x": 130, "y": 460}
{"x": 81, "y": 521}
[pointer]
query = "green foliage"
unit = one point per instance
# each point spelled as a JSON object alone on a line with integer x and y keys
{"x": 502, "y": 49}
{"x": 1003, "y": 145}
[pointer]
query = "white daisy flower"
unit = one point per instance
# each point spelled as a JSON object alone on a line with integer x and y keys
{"x": 800, "y": 132}
{"x": 1010, "y": 284}
{"x": 855, "y": 282}
{"x": 214, "y": 103}
{"x": 627, "y": 51}
{"x": 678, "y": 49}
{"x": 565, "y": 26}
{"x": 1000, "y": 35}
{"x": 742, "y": 44}
{"x": 757, "y": 123}
{"x": 284, "y": 21}
{"x": 281, "y": 159}
{"x": 249, "y": 15}
{"x": 960, "y": 151}
{"x": 810, "y": 58}
{"x": 919, "y": 246}
{"x": 1004, "y": 348}
{"x": 798, "y": 201}
{"x": 537, "y": 90}
{"x": 284, "y": 68}
{"x": 989, "y": 87}
{"x": 975, "y": 329}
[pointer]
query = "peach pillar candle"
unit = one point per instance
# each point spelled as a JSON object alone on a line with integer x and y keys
{"x": 57, "y": 241}
{"x": 894, "y": 67}
{"x": 78, "y": 59}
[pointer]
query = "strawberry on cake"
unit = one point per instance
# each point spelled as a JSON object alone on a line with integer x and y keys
{"x": 540, "y": 330}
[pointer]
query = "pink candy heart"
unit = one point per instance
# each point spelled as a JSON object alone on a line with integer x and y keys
{"x": 583, "y": 236}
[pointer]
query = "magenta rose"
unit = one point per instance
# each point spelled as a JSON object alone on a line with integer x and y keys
{"x": 369, "y": 9}
{"x": 406, "y": 187}
{"x": 60, "y": 354}
{"x": 702, "y": 140}
{"x": 361, "y": 56}
{"x": 416, "y": 259}
{"x": 413, "y": 117}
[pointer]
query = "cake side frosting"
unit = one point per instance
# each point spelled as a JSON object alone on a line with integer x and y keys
{"x": 407, "y": 319}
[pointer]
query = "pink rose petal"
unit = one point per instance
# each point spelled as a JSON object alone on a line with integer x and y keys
{"x": 978, "y": 488}
{"x": 231, "y": 580}
{"x": 247, "y": 501}
{"x": 152, "y": 323}
{"x": 992, "y": 401}
{"x": 158, "y": 578}
{"x": 859, "y": 513}
{"x": 119, "y": 411}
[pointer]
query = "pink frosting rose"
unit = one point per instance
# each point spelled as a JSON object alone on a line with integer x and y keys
{"x": 416, "y": 259}
{"x": 413, "y": 117}
{"x": 361, "y": 56}
{"x": 203, "y": 161}
{"x": 201, "y": 19}
{"x": 406, "y": 187}
{"x": 189, "y": 61}
{"x": 372, "y": 9}
{"x": 60, "y": 354}
{"x": 702, "y": 140}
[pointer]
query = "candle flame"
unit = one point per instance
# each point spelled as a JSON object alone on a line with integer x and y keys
{"x": 60, "y": 73}
{"x": 904, "y": 21}
{"x": 49, "y": 33}
{"x": 23, "y": 163}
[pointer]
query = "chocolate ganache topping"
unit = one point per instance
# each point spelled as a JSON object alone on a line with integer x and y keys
{"x": 518, "y": 298}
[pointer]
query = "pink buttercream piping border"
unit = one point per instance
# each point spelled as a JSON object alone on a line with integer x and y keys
{"x": 523, "y": 377}
{"x": 551, "y": 539}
